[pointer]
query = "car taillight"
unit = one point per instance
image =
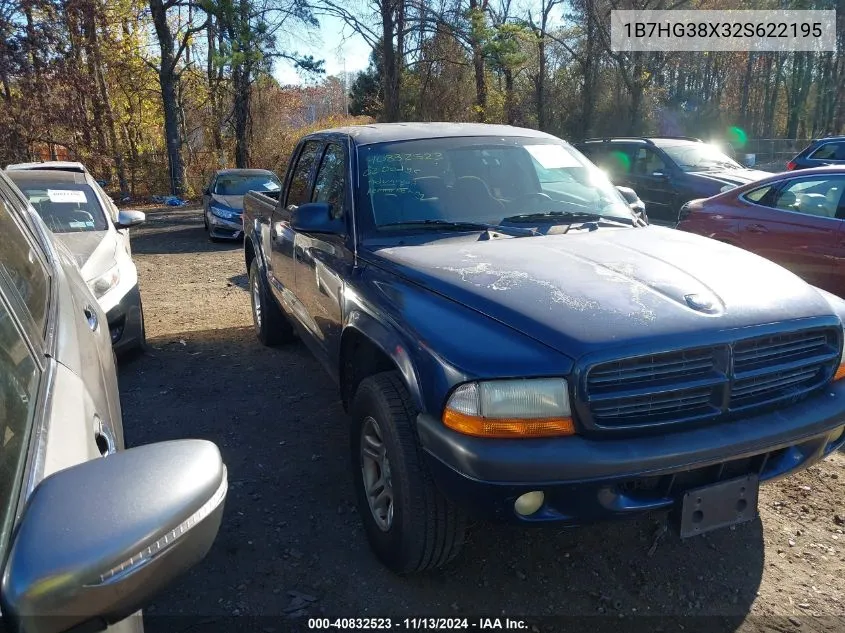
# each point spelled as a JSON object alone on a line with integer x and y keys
{"x": 791, "y": 165}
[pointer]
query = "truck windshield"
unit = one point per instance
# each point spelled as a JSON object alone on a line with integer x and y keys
{"x": 488, "y": 180}
{"x": 239, "y": 185}
{"x": 66, "y": 207}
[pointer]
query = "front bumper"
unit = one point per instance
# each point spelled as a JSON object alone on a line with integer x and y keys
{"x": 222, "y": 229}
{"x": 126, "y": 323}
{"x": 586, "y": 480}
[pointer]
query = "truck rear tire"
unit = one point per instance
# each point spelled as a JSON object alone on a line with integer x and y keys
{"x": 271, "y": 325}
{"x": 410, "y": 525}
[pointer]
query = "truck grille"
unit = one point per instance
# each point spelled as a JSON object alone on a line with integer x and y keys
{"x": 699, "y": 383}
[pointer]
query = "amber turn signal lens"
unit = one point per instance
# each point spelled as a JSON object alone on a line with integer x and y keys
{"x": 840, "y": 373}
{"x": 507, "y": 427}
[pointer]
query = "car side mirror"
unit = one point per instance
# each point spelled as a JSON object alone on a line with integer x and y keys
{"x": 97, "y": 541}
{"x": 629, "y": 194}
{"x": 128, "y": 217}
{"x": 206, "y": 191}
{"x": 316, "y": 217}
{"x": 636, "y": 205}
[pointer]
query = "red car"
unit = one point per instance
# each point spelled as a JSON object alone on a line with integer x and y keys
{"x": 796, "y": 219}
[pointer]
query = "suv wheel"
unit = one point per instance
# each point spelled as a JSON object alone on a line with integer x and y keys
{"x": 410, "y": 525}
{"x": 271, "y": 325}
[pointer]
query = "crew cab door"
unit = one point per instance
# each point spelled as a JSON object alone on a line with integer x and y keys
{"x": 298, "y": 187}
{"x": 322, "y": 261}
{"x": 798, "y": 224}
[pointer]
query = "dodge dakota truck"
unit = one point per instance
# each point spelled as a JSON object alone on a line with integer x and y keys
{"x": 511, "y": 341}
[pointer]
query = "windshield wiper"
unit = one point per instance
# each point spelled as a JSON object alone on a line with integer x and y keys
{"x": 573, "y": 216}
{"x": 462, "y": 226}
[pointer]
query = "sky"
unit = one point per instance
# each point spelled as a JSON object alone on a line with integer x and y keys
{"x": 334, "y": 42}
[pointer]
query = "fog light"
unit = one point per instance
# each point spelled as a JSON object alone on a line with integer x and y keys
{"x": 529, "y": 503}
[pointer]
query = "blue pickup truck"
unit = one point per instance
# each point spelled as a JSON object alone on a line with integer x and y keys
{"x": 511, "y": 341}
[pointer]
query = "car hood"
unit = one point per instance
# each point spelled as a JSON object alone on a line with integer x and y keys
{"x": 235, "y": 203}
{"x": 94, "y": 251}
{"x": 583, "y": 291}
{"x": 730, "y": 176}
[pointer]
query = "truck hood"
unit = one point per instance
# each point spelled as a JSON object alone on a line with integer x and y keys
{"x": 94, "y": 251}
{"x": 729, "y": 176}
{"x": 583, "y": 291}
{"x": 233, "y": 202}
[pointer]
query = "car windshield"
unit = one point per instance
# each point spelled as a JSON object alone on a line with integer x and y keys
{"x": 66, "y": 207}
{"x": 700, "y": 157}
{"x": 231, "y": 185}
{"x": 430, "y": 184}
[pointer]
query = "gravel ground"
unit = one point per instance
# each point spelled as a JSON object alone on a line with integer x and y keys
{"x": 291, "y": 546}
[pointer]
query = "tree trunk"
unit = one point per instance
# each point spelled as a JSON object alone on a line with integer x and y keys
{"x": 241, "y": 86}
{"x": 102, "y": 91}
{"x": 476, "y": 26}
{"x": 168, "y": 80}
{"x": 744, "y": 113}
{"x": 390, "y": 76}
{"x": 509, "y": 97}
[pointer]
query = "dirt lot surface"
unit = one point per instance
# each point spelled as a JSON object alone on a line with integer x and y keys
{"x": 291, "y": 545}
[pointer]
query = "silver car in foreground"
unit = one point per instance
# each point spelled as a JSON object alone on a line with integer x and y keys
{"x": 89, "y": 532}
{"x": 85, "y": 220}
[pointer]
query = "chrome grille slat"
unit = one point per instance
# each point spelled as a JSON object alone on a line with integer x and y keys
{"x": 709, "y": 382}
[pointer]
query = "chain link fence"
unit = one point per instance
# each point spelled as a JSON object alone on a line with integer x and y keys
{"x": 770, "y": 154}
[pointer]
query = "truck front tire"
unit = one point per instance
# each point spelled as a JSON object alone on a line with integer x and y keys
{"x": 420, "y": 529}
{"x": 271, "y": 325}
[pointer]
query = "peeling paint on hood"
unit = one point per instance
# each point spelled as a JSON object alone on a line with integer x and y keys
{"x": 583, "y": 290}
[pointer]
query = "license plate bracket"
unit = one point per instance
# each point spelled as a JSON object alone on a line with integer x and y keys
{"x": 719, "y": 505}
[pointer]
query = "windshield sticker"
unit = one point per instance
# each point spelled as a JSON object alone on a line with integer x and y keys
{"x": 88, "y": 224}
{"x": 552, "y": 156}
{"x": 67, "y": 195}
{"x": 271, "y": 186}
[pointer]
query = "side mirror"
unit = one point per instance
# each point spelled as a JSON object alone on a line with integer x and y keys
{"x": 206, "y": 191}
{"x": 634, "y": 202}
{"x": 127, "y": 218}
{"x": 316, "y": 217}
{"x": 629, "y": 194}
{"x": 97, "y": 541}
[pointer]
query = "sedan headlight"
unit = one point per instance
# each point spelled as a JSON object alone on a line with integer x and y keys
{"x": 105, "y": 282}
{"x": 226, "y": 214}
{"x": 511, "y": 408}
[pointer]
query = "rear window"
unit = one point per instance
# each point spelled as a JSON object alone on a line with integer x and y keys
{"x": 66, "y": 207}
{"x": 829, "y": 151}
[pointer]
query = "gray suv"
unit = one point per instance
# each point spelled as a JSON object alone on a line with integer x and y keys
{"x": 89, "y": 532}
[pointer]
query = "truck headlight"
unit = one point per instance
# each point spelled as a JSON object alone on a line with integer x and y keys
{"x": 537, "y": 407}
{"x": 226, "y": 214}
{"x": 105, "y": 282}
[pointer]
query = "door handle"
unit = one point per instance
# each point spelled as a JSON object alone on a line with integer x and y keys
{"x": 756, "y": 228}
{"x": 106, "y": 443}
{"x": 91, "y": 318}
